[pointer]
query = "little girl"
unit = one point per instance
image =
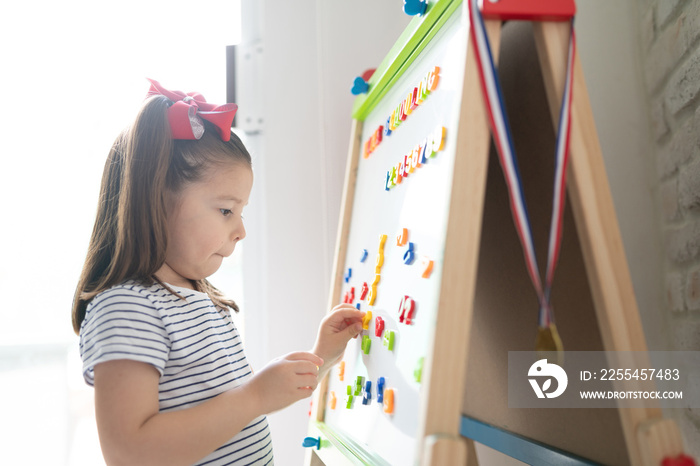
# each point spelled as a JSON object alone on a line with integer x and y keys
{"x": 172, "y": 384}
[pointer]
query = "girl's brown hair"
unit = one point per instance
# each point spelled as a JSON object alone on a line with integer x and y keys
{"x": 130, "y": 236}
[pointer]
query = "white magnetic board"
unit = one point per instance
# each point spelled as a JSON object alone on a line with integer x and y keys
{"x": 420, "y": 205}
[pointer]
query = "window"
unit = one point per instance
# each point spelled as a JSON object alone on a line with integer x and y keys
{"x": 73, "y": 76}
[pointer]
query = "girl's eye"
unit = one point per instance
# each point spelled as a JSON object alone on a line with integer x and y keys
{"x": 226, "y": 212}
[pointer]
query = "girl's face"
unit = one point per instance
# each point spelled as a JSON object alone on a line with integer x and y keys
{"x": 205, "y": 223}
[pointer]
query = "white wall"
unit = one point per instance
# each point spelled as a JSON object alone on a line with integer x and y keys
{"x": 311, "y": 52}
{"x": 609, "y": 47}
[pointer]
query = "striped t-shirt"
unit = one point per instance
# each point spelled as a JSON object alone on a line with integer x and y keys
{"x": 194, "y": 345}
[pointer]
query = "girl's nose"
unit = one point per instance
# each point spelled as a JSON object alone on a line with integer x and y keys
{"x": 239, "y": 233}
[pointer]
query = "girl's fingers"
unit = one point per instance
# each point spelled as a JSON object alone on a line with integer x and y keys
{"x": 347, "y": 308}
{"x": 310, "y": 381}
{"x": 346, "y": 317}
{"x": 348, "y": 314}
{"x": 306, "y": 367}
{"x": 304, "y": 356}
{"x": 305, "y": 392}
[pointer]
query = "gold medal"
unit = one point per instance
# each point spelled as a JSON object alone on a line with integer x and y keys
{"x": 548, "y": 341}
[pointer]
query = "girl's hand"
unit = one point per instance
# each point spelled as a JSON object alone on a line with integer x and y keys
{"x": 285, "y": 380}
{"x": 336, "y": 329}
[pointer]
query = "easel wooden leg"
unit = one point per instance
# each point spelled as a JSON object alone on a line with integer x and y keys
{"x": 648, "y": 438}
{"x": 658, "y": 439}
{"x": 458, "y": 451}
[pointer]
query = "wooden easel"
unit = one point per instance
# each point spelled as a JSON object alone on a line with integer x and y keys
{"x": 648, "y": 437}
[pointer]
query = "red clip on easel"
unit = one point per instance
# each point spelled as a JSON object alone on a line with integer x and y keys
{"x": 529, "y": 10}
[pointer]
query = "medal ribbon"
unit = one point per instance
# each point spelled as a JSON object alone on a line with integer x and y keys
{"x": 500, "y": 128}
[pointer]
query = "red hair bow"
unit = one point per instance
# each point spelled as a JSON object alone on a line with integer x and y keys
{"x": 186, "y": 114}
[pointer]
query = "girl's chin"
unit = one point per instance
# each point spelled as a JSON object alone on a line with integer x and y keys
{"x": 213, "y": 266}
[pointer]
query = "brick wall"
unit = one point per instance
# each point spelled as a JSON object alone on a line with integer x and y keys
{"x": 670, "y": 41}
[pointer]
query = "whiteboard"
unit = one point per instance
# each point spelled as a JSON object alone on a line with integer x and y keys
{"x": 495, "y": 312}
{"x": 420, "y": 205}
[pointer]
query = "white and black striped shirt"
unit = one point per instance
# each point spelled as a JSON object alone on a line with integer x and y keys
{"x": 195, "y": 347}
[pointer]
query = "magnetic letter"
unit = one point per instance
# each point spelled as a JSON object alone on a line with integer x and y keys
{"x": 423, "y": 155}
{"x": 438, "y": 143}
{"x": 420, "y": 93}
{"x": 434, "y": 78}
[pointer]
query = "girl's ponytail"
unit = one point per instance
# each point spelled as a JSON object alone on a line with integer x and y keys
{"x": 129, "y": 238}
{"x": 142, "y": 234}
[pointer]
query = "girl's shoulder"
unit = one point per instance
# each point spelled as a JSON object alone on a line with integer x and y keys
{"x": 151, "y": 295}
{"x": 162, "y": 298}
{"x": 133, "y": 301}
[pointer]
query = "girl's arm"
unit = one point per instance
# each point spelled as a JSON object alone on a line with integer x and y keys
{"x": 337, "y": 328}
{"x": 133, "y": 432}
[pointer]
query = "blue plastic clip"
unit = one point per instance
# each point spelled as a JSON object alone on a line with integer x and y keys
{"x": 359, "y": 86}
{"x": 310, "y": 442}
{"x": 414, "y": 7}
{"x": 380, "y": 390}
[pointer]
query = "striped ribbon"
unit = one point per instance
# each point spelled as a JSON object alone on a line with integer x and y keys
{"x": 500, "y": 128}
